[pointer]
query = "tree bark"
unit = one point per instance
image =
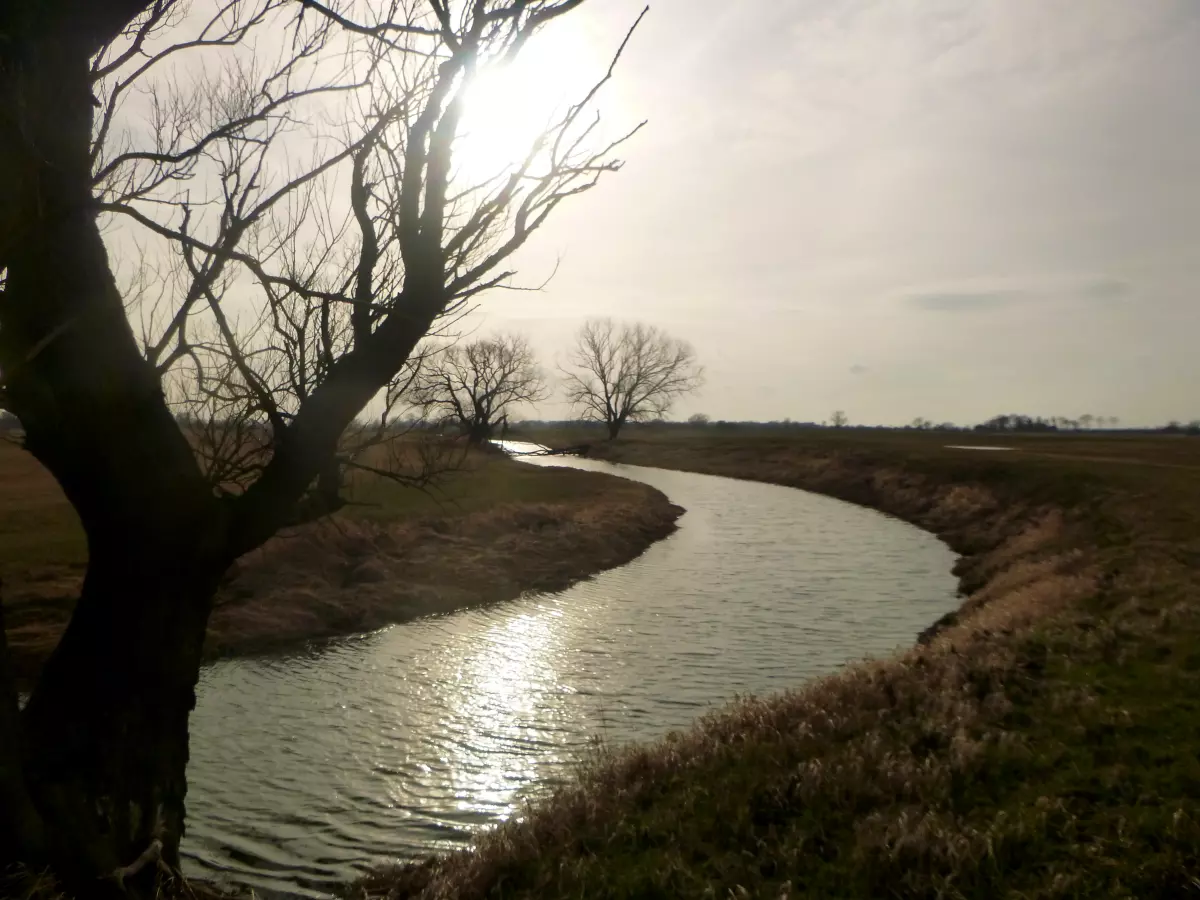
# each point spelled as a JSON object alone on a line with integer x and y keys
{"x": 478, "y": 433}
{"x": 102, "y": 743}
{"x": 106, "y": 729}
{"x": 21, "y": 832}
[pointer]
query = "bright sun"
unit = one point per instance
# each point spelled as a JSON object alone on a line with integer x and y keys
{"x": 509, "y": 106}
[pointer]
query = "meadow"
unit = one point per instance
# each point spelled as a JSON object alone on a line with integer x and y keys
{"x": 487, "y": 529}
{"x": 1044, "y": 741}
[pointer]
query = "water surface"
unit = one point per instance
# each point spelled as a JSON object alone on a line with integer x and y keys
{"x": 310, "y": 768}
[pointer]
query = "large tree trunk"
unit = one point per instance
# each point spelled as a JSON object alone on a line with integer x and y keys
{"x": 21, "y": 833}
{"x": 478, "y": 433}
{"x": 103, "y": 740}
{"x": 106, "y": 730}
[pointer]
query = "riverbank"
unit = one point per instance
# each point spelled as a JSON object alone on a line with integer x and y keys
{"x": 1042, "y": 742}
{"x": 490, "y": 531}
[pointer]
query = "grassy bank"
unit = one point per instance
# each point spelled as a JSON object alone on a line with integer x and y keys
{"x": 1042, "y": 743}
{"x": 489, "y": 531}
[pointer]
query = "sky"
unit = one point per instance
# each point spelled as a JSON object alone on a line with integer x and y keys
{"x": 895, "y": 208}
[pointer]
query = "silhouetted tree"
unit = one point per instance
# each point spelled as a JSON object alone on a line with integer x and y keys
{"x": 338, "y": 251}
{"x": 473, "y": 385}
{"x": 1019, "y": 423}
{"x": 628, "y": 372}
{"x": 698, "y": 419}
{"x": 839, "y": 419}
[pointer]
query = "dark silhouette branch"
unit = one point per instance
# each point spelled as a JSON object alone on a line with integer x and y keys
{"x": 301, "y": 230}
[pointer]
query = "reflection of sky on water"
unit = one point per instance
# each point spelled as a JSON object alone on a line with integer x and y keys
{"x": 310, "y": 768}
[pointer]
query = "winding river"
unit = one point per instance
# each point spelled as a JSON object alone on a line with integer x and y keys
{"x": 309, "y": 768}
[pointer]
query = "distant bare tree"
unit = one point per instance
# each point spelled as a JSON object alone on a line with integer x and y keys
{"x": 839, "y": 419}
{"x": 698, "y": 419}
{"x": 473, "y": 385}
{"x": 628, "y": 372}
{"x": 1086, "y": 421}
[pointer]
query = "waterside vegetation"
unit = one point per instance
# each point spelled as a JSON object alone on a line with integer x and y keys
{"x": 487, "y": 529}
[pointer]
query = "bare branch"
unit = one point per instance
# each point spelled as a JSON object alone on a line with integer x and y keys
{"x": 302, "y": 179}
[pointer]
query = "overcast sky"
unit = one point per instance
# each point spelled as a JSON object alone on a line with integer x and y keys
{"x": 898, "y": 208}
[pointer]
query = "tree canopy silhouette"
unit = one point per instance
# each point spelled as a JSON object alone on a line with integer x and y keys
{"x": 246, "y": 211}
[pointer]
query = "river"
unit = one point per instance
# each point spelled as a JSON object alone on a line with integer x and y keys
{"x": 311, "y": 767}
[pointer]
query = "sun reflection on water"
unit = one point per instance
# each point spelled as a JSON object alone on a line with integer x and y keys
{"x": 506, "y": 711}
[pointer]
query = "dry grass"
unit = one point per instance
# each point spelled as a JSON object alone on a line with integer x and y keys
{"x": 352, "y": 575}
{"x": 488, "y": 531}
{"x": 1042, "y": 743}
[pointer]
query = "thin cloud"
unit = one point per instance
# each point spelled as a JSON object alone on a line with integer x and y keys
{"x": 975, "y": 179}
{"x": 964, "y": 301}
{"x": 1107, "y": 289}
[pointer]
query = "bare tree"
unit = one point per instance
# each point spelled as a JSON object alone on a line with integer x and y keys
{"x": 473, "y": 385}
{"x": 628, "y": 372}
{"x": 291, "y": 165}
{"x": 839, "y": 419}
{"x": 698, "y": 419}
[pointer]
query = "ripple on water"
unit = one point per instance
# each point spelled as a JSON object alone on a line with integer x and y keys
{"x": 308, "y": 769}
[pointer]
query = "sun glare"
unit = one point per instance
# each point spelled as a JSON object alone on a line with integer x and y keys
{"x": 508, "y": 106}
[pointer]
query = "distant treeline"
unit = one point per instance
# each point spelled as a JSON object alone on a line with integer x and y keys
{"x": 1016, "y": 422}
{"x": 1012, "y": 422}
{"x": 1009, "y": 422}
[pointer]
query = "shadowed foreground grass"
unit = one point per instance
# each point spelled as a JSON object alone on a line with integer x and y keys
{"x": 1043, "y": 742}
{"x": 489, "y": 531}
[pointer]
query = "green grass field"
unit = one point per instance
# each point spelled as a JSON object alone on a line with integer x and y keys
{"x": 1047, "y": 744}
